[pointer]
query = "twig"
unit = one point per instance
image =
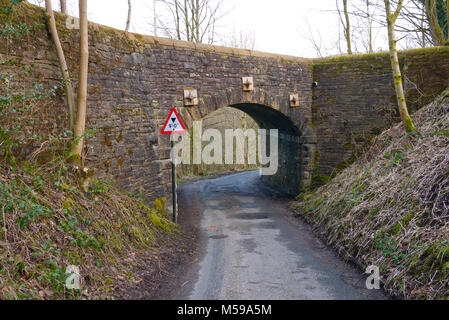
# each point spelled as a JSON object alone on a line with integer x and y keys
{"x": 4, "y": 224}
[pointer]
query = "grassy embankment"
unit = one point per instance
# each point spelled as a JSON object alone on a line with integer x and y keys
{"x": 48, "y": 223}
{"x": 391, "y": 207}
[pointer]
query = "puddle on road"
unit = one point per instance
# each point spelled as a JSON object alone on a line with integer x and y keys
{"x": 245, "y": 199}
{"x": 248, "y": 216}
{"x": 266, "y": 225}
{"x": 248, "y": 205}
{"x": 249, "y": 244}
{"x": 219, "y": 236}
{"x": 220, "y": 208}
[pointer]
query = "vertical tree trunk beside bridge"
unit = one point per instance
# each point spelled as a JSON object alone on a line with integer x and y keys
{"x": 80, "y": 124}
{"x": 402, "y": 105}
{"x": 348, "y": 27}
{"x": 62, "y": 61}
{"x": 63, "y": 4}
{"x": 128, "y": 21}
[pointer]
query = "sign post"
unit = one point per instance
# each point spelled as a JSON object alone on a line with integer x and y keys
{"x": 173, "y": 125}
{"x": 174, "y": 188}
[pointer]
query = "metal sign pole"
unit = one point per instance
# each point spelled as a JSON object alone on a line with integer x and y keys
{"x": 173, "y": 125}
{"x": 174, "y": 191}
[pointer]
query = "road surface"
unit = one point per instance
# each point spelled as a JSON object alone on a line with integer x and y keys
{"x": 254, "y": 249}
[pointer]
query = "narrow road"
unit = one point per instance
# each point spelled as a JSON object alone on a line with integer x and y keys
{"x": 253, "y": 248}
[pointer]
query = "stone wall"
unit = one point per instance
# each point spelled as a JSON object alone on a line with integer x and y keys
{"x": 355, "y": 98}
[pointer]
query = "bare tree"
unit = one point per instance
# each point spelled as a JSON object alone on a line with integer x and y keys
{"x": 319, "y": 46}
{"x": 369, "y": 16}
{"x": 191, "y": 20}
{"x": 346, "y": 24}
{"x": 432, "y": 17}
{"x": 80, "y": 124}
{"x": 369, "y": 24}
{"x": 63, "y": 4}
{"x": 426, "y": 21}
{"x": 363, "y": 13}
{"x": 242, "y": 40}
{"x": 397, "y": 76}
{"x": 315, "y": 40}
{"x": 155, "y": 17}
{"x": 62, "y": 61}
{"x": 128, "y": 21}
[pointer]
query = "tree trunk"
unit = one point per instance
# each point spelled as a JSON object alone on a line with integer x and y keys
{"x": 63, "y": 6}
{"x": 80, "y": 124}
{"x": 177, "y": 21}
{"x": 397, "y": 76}
{"x": 197, "y": 21}
{"x": 423, "y": 32}
{"x": 186, "y": 17}
{"x": 447, "y": 18}
{"x": 193, "y": 22}
{"x": 435, "y": 28}
{"x": 155, "y": 18}
{"x": 128, "y": 22}
{"x": 370, "y": 28}
{"x": 62, "y": 62}
{"x": 348, "y": 27}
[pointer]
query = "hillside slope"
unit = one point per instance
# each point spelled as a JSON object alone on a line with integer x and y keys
{"x": 391, "y": 207}
{"x": 48, "y": 223}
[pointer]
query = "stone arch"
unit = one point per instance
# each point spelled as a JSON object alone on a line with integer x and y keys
{"x": 275, "y": 105}
{"x": 270, "y": 112}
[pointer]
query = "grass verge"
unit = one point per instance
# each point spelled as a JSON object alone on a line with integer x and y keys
{"x": 47, "y": 223}
{"x": 391, "y": 207}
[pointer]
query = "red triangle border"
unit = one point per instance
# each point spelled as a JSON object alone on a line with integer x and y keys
{"x": 168, "y": 119}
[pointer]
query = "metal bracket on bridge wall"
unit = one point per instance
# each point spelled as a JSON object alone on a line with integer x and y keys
{"x": 190, "y": 97}
{"x": 248, "y": 84}
{"x": 294, "y": 100}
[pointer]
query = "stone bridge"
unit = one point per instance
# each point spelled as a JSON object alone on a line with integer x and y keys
{"x": 135, "y": 80}
{"x": 147, "y": 82}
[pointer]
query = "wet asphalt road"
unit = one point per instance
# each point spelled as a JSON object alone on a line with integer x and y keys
{"x": 254, "y": 249}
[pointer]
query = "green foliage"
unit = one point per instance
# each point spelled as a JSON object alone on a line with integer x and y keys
{"x": 159, "y": 206}
{"x": 318, "y": 181}
{"x": 83, "y": 229}
{"x": 16, "y": 31}
{"x": 80, "y": 238}
{"x": 387, "y": 247}
{"x": 7, "y": 9}
{"x": 442, "y": 133}
{"x": 17, "y": 106}
{"x": 395, "y": 156}
{"x": 20, "y": 100}
{"x": 17, "y": 198}
{"x": 99, "y": 186}
{"x": 52, "y": 274}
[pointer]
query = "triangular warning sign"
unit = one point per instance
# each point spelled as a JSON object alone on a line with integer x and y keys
{"x": 173, "y": 124}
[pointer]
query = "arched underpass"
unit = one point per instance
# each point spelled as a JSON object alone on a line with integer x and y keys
{"x": 287, "y": 175}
